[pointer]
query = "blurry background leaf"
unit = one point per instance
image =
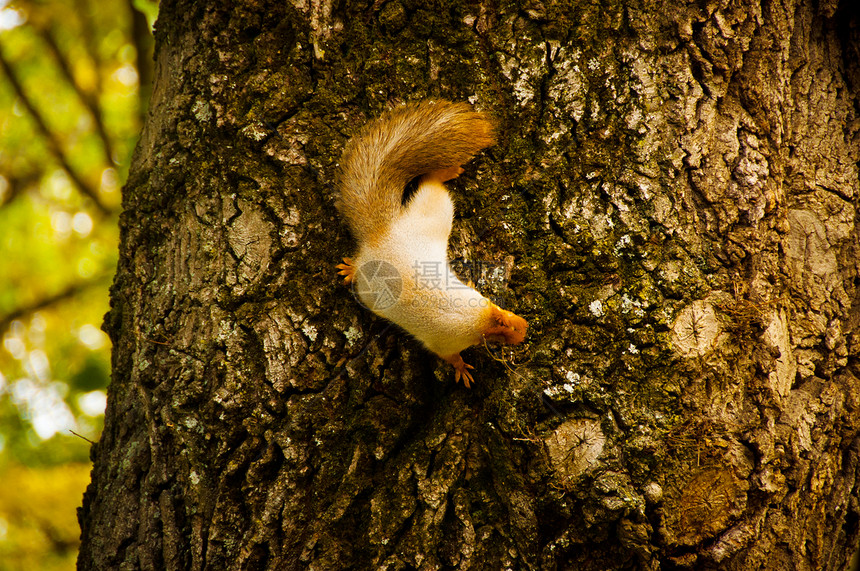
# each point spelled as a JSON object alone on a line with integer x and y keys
{"x": 74, "y": 84}
{"x": 148, "y": 8}
{"x": 38, "y": 526}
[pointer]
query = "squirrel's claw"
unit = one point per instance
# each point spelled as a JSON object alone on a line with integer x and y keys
{"x": 465, "y": 375}
{"x": 461, "y": 369}
{"x": 347, "y": 270}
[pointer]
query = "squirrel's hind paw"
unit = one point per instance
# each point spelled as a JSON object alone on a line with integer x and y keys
{"x": 347, "y": 270}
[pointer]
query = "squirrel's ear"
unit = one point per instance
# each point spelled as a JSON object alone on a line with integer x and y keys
{"x": 444, "y": 175}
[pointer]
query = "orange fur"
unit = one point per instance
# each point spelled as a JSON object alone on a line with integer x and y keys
{"x": 430, "y": 140}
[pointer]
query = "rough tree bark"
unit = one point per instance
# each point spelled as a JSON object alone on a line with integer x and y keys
{"x": 674, "y": 198}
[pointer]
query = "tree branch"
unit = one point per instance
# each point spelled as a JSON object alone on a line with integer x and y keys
{"x": 16, "y": 184}
{"x": 53, "y": 144}
{"x": 89, "y": 36}
{"x": 89, "y": 101}
{"x": 142, "y": 39}
{"x": 62, "y": 295}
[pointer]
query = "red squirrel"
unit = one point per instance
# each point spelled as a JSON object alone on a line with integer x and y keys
{"x": 397, "y": 238}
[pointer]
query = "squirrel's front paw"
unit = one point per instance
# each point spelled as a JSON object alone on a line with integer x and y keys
{"x": 347, "y": 270}
{"x": 461, "y": 369}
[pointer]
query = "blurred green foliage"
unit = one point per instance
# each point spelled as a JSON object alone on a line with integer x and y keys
{"x": 74, "y": 83}
{"x": 38, "y": 524}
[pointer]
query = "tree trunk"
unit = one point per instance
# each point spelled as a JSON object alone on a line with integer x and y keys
{"x": 674, "y": 198}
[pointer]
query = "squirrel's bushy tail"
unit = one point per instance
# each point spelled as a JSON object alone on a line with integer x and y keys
{"x": 404, "y": 143}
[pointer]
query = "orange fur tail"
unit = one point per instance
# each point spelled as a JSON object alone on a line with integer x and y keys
{"x": 404, "y": 143}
